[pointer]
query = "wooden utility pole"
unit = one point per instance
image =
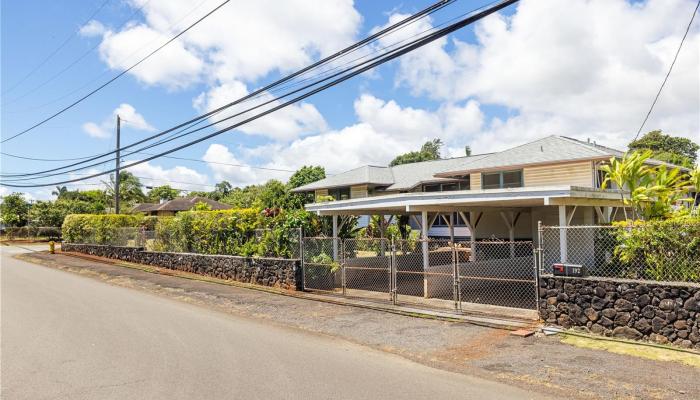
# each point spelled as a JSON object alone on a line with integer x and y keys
{"x": 116, "y": 172}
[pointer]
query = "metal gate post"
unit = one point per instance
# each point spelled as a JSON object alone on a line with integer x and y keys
{"x": 303, "y": 266}
{"x": 392, "y": 272}
{"x": 539, "y": 268}
{"x": 342, "y": 264}
{"x": 455, "y": 278}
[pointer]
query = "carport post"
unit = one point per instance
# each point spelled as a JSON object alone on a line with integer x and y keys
{"x": 563, "y": 222}
{"x": 335, "y": 237}
{"x": 452, "y": 228}
{"x": 424, "y": 244}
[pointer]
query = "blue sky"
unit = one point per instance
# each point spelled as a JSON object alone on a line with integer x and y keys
{"x": 536, "y": 69}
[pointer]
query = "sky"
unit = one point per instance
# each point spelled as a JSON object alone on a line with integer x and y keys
{"x": 584, "y": 69}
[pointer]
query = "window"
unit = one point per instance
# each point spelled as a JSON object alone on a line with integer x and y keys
{"x": 502, "y": 179}
{"x": 462, "y": 184}
{"x": 342, "y": 193}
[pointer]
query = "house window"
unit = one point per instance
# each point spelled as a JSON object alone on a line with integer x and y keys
{"x": 502, "y": 179}
{"x": 342, "y": 193}
{"x": 462, "y": 184}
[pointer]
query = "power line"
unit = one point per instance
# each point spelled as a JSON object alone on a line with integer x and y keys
{"x": 438, "y": 5}
{"x": 392, "y": 55}
{"x": 118, "y": 75}
{"x": 680, "y": 46}
{"x": 55, "y": 51}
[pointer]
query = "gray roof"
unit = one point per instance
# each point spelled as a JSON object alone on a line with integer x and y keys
{"x": 551, "y": 149}
{"x": 365, "y": 175}
{"x": 546, "y": 150}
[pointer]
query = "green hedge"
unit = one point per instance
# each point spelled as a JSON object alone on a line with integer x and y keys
{"x": 97, "y": 228}
{"x": 662, "y": 250}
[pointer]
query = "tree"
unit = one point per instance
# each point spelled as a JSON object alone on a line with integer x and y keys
{"x": 223, "y": 188}
{"x": 246, "y": 197}
{"x": 274, "y": 194}
{"x": 14, "y": 210}
{"x": 60, "y": 192}
{"x": 130, "y": 189}
{"x": 429, "y": 151}
{"x": 305, "y": 175}
{"x": 674, "y": 150}
{"x": 164, "y": 192}
{"x": 626, "y": 173}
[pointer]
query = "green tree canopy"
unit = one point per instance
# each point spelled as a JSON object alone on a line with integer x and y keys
{"x": 305, "y": 175}
{"x": 52, "y": 213}
{"x": 14, "y": 210}
{"x": 164, "y": 192}
{"x": 675, "y": 150}
{"x": 429, "y": 151}
{"x": 130, "y": 188}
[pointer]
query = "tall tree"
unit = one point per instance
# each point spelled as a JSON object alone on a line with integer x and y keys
{"x": 60, "y": 192}
{"x": 675, "y": 150}
{"x": 305, "y": 175}
{"x": 14, "y": 210}
{"x": 429, "y": 151}
{"x": 164, "y": 192}
{"x": 130, "y": 188}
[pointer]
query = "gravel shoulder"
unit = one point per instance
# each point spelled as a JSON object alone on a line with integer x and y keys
{"x": 536, "y": 363}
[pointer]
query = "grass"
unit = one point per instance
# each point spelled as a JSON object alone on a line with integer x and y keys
{"x": 658, "y": 353}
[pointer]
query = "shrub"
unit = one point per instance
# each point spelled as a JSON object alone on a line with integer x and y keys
{"x": 95, "y": 228}
{"x": 663, "y": 250}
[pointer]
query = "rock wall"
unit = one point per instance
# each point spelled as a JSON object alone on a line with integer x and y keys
{"x": 658, "y": 312}
{"x": 273, "y": 272}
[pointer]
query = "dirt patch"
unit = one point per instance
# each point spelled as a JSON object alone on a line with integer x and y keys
{"x": 477, "y": 347}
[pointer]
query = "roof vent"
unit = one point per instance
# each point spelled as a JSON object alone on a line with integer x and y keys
{"x": 542, "y": 149}
{"x": 589, "y": 140}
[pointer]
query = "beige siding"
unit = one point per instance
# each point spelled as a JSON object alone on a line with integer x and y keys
{"x": 575, "y": 174}
{"x": 321, "y": 192}
{"x": 357, "y": 192}
{"x": 475, "y": 181}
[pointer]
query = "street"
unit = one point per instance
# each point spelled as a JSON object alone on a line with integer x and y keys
{"x": 67, "y": 336}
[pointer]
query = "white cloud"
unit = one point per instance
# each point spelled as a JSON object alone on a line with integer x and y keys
{"x": 595, "y": 77}
{"x": 285, "y": 124}
{"x": 131, "y": 119}
{"x": 227, "y": 167}
{"x": 240, "y": 41}
{"x": 178, "y": 177}
{"x": 92, "y": 28}
{"x": 385, "y": 129}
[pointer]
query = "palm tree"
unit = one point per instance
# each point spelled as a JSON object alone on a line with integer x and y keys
{"x": 60, "y": 191}
{"x": 694, "y": 181}
{"x": 662, "y": 189}
{"x": 130, "y": 191}
{"x": 628, "y": 173}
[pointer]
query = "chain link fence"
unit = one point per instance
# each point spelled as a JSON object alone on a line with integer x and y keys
{"x": 499, "y": 273}
{"x": 628, "y": 252}
{"x": 322, "y": 264}
{"x": 427, "y": 273}
{"x": 125, "y": 237}
{"x": 31, "y": 233}
{"x": 366, "y": 269}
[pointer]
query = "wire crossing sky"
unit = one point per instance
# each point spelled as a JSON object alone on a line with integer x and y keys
{"x": 502, "y": 81}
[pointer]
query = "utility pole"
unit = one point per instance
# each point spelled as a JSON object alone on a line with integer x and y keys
{"x": 116, "y": 173}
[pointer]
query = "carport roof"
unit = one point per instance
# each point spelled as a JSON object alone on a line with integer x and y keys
{"x": 406, "y": 203}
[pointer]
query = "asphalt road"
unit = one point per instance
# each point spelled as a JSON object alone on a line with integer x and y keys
{"x": 69, "y": 337}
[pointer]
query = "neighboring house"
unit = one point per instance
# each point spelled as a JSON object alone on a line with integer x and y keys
{"x": 501, "y": 195}
{"x": 172, "y": 207}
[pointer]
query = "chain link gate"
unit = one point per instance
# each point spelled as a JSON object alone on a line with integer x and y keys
{"x": 367, "y": 268}
{"x": 321, "y": 264}
{"x": 424, "y": 273}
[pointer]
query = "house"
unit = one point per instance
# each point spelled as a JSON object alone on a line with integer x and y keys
{"x": 172, "y": 207}
{"x": 501, "y": 195}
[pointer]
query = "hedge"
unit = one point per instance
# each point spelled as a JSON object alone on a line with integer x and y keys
{"x": 666, "y": 250}
{"x": 97, "y": 228}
